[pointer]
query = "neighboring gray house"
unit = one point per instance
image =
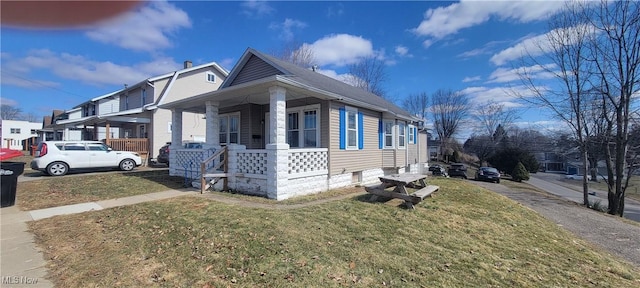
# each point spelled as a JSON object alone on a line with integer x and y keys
{"x": 291, "y": 131}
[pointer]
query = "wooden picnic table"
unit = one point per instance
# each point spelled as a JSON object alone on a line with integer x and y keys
{"x": 400, "y": 182}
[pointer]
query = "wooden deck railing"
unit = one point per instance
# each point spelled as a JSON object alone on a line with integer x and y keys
{"x": 139, "y": 145}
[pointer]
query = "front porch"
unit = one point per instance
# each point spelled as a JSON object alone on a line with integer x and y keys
{"x": 301, "y": 172}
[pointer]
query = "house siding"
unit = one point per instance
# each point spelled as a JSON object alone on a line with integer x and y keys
{"x": 254, "y": 69}
{"x": 389, "y": 158}
{"x": 344, "y": 161}
{"x": 423, "y": 149}
{"x": 193, "y": 83}
{"x": 109, "y": 105}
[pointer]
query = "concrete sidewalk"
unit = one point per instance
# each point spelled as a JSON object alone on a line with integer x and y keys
{"x": 22, "y": 263}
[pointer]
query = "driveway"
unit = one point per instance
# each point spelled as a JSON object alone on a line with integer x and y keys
{"x": 552, "y": 183}
{"x": 606, "y": 231}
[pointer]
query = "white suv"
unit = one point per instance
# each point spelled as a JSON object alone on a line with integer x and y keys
{"x": 56, "y": 158}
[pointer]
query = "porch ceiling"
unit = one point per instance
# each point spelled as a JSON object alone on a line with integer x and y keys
{"x": 255, "y": 92}
{"x": 114, "y": 121}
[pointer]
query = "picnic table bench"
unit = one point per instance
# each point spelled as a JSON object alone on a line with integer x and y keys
{"x": 401, "y": 182}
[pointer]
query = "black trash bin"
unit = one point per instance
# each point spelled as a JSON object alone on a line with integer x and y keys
{"x": 9, "y": 171}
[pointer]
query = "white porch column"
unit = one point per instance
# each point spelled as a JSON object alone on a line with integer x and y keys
{"x": 213, "y": 125}
{"x": 176, "y": 140}
{"x": 277, "y": 149}
{"x": 65, "y": 134}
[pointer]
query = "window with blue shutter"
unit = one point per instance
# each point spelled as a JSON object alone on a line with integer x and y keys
{"x": 360, "y": 131}
{"x": 351, "y": 133}
{"x": 380, "y": 134}
{"x": 343, "y": 130}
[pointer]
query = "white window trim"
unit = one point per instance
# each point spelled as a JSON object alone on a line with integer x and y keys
{"x": 393, "y": 134}
{"x": 300, "y": 110}
{"x": 404, "y": 143}
{"x": 347, "y": 110}
{"x": 212, "y": 74}
{"x": 228, "y": 115}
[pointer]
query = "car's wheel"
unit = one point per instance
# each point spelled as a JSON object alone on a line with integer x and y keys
{"x": 498, "y": 181}
{"x": 57, "y": 169}
{"x": 127, "y": 165}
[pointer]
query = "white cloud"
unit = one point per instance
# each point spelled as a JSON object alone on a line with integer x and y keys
{"x": 471, "y": 79}
{"x": 146, "y": 29}
{"x": 340, "y": 49}
{"x": 505, "y": 75}
{"x": 7, "y": 101}
{"x": 84, "y": 70}
{"x": 538, "y": 45}
{"x": 333, "y": 74}
{"x": 403, "y": 51}
{"x": 508, "y": 96}
{"x": 253, "y": 8}
{"x": 287, "y": 28}
{"x": 444, "y": 21}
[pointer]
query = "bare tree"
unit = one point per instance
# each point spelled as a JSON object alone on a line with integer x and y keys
{"x": 369, "y": 74}
{"x": 567, "y": 43}
{"x": 490, "y": 115}
{"x": 30, "y": 117}
{"x": 417, "y": 104}
{"x": 301, "y": 55}
{"x": 8, "y": 112}
{"x": 449, "y": 109}
{"x": 616, "y": 57}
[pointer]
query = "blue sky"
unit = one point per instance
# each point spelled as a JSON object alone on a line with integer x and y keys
{"x": 468, "y": 46}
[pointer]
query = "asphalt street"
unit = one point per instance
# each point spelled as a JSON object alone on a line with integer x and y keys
{"x": 549, "y": 183}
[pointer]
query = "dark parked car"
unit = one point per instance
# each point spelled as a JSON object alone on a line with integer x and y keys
{"x": 439, "y": 171}
{"x": 434, "y": 167}
{"x": 163, "y": 153}
{"x": 458, "y": 170}
{"x": 163, "y": 156}
{"x": 488, "y": 174}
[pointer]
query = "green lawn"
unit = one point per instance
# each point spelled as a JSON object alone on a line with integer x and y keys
{"x": 464, "y": 236}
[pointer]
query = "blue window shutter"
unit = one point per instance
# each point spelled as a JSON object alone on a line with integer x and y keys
{"x": 343, "y": 129}
{"x": 415, "y": 135}
{"x": 360, "y": 131}
{"x": 380, "y": 134}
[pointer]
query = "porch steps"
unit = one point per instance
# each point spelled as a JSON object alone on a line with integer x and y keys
{"x": 213, "y": 178}
{"x": 221, "y": 175}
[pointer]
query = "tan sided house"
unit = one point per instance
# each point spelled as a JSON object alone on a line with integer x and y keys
{"x": 288, "y": 131}
{"x": 129, "y": 119}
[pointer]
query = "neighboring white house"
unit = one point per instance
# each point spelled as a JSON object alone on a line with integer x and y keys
{"x": 129, "y": 119}
{"x": 15, "y": 132}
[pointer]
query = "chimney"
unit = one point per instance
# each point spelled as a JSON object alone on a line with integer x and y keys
{"x": 188, "y": 64}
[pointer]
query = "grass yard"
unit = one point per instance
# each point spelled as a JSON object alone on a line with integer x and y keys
{"x": 58, "y": 191}
{"x": 464, "y": 236}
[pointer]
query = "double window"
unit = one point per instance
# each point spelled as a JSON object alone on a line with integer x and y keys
{"x": 302, "y": 127}
{"x": 211, "y": 78}
{"x": 230, "y": 128}
{"x": 15, "y": 131}
{"x": 396, "y": 134}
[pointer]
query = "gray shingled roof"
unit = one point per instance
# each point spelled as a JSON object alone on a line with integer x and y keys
{"x": 320, "y": 81}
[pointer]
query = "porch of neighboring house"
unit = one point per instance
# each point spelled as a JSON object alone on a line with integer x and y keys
{"x": 120, "y": 133}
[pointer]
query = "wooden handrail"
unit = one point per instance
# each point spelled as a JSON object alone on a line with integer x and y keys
{"x": 203, "y": 167}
